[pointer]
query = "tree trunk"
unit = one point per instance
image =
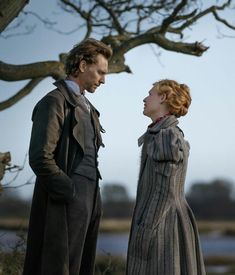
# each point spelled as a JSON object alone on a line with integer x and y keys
{"x": 9, "y": 9}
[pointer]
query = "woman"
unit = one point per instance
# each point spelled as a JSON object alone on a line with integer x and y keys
{"x": 164, "y": 238}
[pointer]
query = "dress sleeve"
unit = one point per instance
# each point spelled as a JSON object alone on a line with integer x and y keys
{"x": 166, "y": 151}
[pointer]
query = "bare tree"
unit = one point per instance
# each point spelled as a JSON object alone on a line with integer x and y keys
{"x": 124, "y": 25}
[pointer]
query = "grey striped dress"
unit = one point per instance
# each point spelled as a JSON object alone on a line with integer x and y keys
{"x": 164, "y": 238}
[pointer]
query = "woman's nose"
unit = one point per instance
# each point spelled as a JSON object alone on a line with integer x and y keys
{"x": 102, "y": 80}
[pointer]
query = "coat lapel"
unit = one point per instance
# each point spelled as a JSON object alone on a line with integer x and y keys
{"x": 77, "y": 104}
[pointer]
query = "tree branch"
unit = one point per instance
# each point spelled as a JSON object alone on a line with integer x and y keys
{"x": 20, "y": 94}
{"x": 9, "y": 9}
{"x": 46, "y": 22}
{"x": 85, "y": 15}
{"x": 218, "y": 18}
{"x": 10, "y": 72}
{"x": 29, "y": 30}
{"x": 28, "y": 182}
{"x": 116, "y": 23}
{"x": 167, "y": 21}
{"x": 203, "y": 13}
{"x": 196, "y": 48}
{"x": 81, "y": 12}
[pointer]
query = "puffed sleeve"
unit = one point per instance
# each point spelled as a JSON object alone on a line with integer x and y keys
{"x": 166, "y": 151}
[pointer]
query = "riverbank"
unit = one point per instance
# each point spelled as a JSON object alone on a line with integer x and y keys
{"x": 225, "y": 228}
{"x": 218, "y": 251}
{"x": 12, "y": 263}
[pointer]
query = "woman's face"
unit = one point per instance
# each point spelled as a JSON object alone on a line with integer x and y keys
{"x": 153, "y": 104}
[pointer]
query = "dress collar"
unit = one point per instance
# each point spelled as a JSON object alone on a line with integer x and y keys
{"x": 158, "y": 120}
{"x": 164, "y": 122}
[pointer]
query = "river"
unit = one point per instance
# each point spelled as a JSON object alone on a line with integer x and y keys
{"x": 116, "y": 244}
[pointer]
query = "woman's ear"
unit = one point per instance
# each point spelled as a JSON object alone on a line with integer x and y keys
{"x": 82, "y": 66}
{"x": 162, "y": 98}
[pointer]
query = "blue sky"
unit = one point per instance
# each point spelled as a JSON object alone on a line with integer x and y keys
{"x": 209, "y": 125}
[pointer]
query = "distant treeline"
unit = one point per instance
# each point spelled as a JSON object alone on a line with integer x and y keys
{"x": 12, "y": 205}
{"x": 209, "y": 201}
{"x": 213, "y": 200}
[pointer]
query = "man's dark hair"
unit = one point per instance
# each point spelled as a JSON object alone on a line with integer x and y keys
{"x": 88, "y": 51}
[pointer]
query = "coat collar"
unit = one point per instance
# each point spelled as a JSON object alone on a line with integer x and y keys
{"x": 72, "y": 99}
{"x": 162, "y": 124}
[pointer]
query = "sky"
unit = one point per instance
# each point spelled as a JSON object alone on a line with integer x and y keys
{"x": 209, "y": 126}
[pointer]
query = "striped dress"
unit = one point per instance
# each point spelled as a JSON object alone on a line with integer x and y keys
{"x": 164, "y": 238}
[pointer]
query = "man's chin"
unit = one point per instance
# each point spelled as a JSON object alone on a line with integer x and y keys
{"x": 91, "y": 91}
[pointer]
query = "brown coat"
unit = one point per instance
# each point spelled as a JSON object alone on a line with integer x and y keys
{"x": 57, "y": 140}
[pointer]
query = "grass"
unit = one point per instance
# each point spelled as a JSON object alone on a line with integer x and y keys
{"x": 106, "y": 225}
{"x": 226, "y": 228}
{"x": 110, "y": 265}
{"x": 227, "y": 263}
{"x": 11, "y": 263}
{"x": 115, "y": 225}
{"x": 13, "y": 223}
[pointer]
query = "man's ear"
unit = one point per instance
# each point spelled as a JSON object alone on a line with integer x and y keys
{"x": 82, "y": 66}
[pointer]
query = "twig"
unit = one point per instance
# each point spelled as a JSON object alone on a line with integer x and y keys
{"x": 19, "y": 168}
{"x": 157, "y": 55}
{"x": 28, "y": 182}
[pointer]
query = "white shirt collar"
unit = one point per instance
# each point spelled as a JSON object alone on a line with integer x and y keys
{"x": 73, "y": 87}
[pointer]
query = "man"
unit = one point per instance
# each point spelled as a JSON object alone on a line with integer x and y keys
{"x": 65, "y": 139}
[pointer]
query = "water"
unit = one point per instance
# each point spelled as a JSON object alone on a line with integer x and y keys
{"x": 116, "y": 244}
{"x": 218, "y": 245}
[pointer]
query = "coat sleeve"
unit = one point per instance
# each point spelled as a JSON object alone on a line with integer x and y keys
{"x": 166, "y": 151}
{"x": 48, "y": 117}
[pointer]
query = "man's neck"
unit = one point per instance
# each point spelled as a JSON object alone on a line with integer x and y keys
{"x": 77, "y": 81}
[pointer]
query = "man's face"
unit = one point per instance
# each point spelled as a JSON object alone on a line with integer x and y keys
{"x": 153, "y": 103}
{"x": 92, "y": 75}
